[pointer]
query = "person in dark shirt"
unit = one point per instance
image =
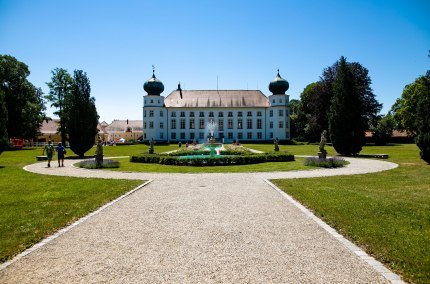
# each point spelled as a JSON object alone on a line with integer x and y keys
{"x": 61, "y": 150}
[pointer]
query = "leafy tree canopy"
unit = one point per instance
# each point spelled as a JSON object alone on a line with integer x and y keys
{"x": 24, "y": 102}
{"x": 3, "y": 120}
{"x": 80, "y": 114}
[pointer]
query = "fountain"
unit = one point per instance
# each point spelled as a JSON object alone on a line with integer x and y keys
{"x": 214, "y": 148}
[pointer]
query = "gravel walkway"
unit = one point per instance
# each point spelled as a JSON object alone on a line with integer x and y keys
{"x": 198, "y": 228}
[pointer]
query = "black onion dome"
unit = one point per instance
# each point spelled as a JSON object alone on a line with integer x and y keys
{"x": 278, "y": 85}
{"x": 153, "y": 86}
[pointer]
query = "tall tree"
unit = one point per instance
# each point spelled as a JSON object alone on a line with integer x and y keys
{"x": 3, "y": 120}
{"x": 59, "y": 87}
{"x": 412, "y": 113}
{"x": 80, "y": 114}
{"x": 297, "y": 120}
{"x": 362, "y": 81}
{"x": 315, "y": 105}
{"x": 347, "y": 123}
{"x": 24, "y": 102}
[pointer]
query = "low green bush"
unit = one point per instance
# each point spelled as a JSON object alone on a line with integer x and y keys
{"x": 213, "y": 160}
{"x": 325, "y": 163}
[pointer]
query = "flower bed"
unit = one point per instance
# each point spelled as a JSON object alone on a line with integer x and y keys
{"x": 334, "y": 162}
{"x": 91, "y": 164}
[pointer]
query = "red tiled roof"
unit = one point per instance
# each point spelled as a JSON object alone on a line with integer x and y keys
{"x": 215, "y": 98}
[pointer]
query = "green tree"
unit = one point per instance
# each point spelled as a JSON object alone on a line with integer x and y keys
{"x": 362, "y": 80}
{"x": 24, "y": 102}
{"x": 412, "y": 113}
{"x": 347, "y": 123}
{"x": 383, "y": 129}
{"x": 315, "y": 105}
{"x": 80, "y": 114}
{"x": 297, "y": 120}
{"x": 59, "y": 87}
{"x": 3, "y": 120}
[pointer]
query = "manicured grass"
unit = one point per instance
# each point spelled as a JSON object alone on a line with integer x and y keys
{"x": 387, "y": 213}
{"x": 33, "y": 206}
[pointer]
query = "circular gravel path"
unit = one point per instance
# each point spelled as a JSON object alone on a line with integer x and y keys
{"x": 200, "y": 228}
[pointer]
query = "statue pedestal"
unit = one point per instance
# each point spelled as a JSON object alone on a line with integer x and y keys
{"x": 322, "y": 155}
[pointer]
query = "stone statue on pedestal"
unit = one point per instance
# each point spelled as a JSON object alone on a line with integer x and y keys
{"x": 322, "y": 153}
{"x": 99, "y": 154}
{"x": 276, "y": 142}
{"x": 151, "y": 146}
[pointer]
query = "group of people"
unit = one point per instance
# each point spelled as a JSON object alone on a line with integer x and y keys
{"x": 49, "y": 150}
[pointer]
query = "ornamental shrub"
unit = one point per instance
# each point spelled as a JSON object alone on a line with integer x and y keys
{"x": 423, "y": 142}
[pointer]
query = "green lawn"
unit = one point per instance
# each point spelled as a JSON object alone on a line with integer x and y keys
{"x": 34, "y": 206}
{"x": 387, "y": 213}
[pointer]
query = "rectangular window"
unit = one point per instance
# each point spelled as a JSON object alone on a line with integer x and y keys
{"x": 239, "y": 123}
{"x": 259, "y": 135}
{"x": 230, "y": 123}
{"x": 271, "y": 113}
{"x": 259, "y": 123}
{"x": 249, "y": 123}
{"x": 201, "y": 123}
{"x": 191, "y": 113}
{"x": 144, "y": 125}
{"x": 144, "y": 113}
{"x": 221, "y": 124}
{"x": 182, "y": 135}
{"x": 201, "y": 114}
{"x": 230, "y": 114}
{"x": 182, "y": 123}
{"x": 192, "y": 126}
{"x": 173, "y": 124}
{"x": 249, "y": 113}
{"x": 281, "y": 112}
{"x": 173, "y": 113}
{"x": 151, "y": 113}
{"x": 240, "y": 135}
{"x": 239, "y": 114}
{"x": 249, "y": 135}
{"x": 220, "y": 114}
{"x": 151, "y": 124}
{"x": 173, "y": 136}
{"x": 211, "y": 114}
{"x": 201, "y": 135}
{"x": 271, "y": 135}
{"x": 281, "y": 124}
{"x": 182, "y": 113}
{"x": 280, "y": 100}
{"x": 271, "y": 125}
{"x": 161, "y": 125}
{"x": 258, "y": 113}
{"x": 192, "y": 136}
{"x": 230, "y": 135}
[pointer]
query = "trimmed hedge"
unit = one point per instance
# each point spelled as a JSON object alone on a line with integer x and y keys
{"x": 213, "y": 160}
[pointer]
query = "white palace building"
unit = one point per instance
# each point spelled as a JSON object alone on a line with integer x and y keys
{"x": 238, "y": 115}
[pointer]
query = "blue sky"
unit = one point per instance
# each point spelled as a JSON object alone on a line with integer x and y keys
{"x": 242, "y": 43}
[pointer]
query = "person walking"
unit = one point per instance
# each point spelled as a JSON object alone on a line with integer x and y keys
{"x": 49, "y": 149}
{"x": 61, "y": 150}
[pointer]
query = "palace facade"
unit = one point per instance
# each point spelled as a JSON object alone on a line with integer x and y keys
{"x": 238, "y": 115}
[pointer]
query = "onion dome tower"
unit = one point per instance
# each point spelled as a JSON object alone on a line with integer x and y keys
{"x": 153, "y": 86}
{"x": 278, "y": 86}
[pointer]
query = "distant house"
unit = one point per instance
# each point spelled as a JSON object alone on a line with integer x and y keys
{"x": 124, "y": 130}
{"x": 49, "y": 131}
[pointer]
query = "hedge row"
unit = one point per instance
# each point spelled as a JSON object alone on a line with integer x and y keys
{"x": 213, "y": 161}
